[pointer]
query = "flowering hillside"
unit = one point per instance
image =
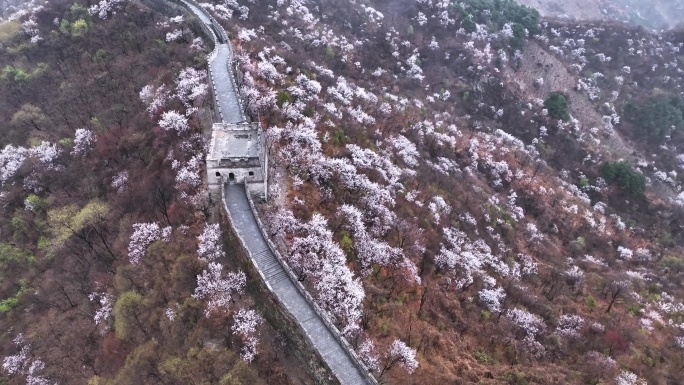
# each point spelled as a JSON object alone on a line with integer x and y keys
{"x": 470, "y": 191}
{"x": 113, "y": 266}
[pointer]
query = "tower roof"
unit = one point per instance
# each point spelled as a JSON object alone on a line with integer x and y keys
{"x": 234, "y": 141}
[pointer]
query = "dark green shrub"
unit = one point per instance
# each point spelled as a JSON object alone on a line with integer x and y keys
{"x": 622, "y": 175}
{"x": 499, "y": 13}
{"x": 557, "y": 106}
{"x": 657, "y": 116}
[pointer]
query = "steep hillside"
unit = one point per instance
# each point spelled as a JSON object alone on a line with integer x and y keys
{"x": 470, "y": 191}
{"x": 113, "y": 269}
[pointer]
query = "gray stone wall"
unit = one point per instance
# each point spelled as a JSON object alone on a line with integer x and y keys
{"x": 305, "y": 346}
{"x": 328, "y": 323}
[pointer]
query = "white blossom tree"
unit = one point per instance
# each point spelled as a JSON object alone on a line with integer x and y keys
{"x": 628, "y": 378}
{"x": 25, "y": 363}
{"x": 340, "y": 295}
{"x": 258, "y": 99}
{"x": 461, "y": 257}
{"x": 45, "y": 153}
{"x": 104, "y": 313}
{"x": 438, "y": 207}
{"x": 245, "y": 323}
{"x": 175, "y": 35}
{"x": 155, "y": 98}
{"x": 400, "y": 353}
{"x": 191, "y": 85}
{"x": 105, "y": 8}
{"x": 406, "y": 150}
{"x": 569, "y": 325}
{"x": 492, "y": 298}
{"x": 209, "y": 247}
{"x": 371, "y": 251}
{"x": 188, "y": 175}
{"x": 172, "y": 120}
{"x": 120, "y": 181}
{"x": 144, "y": 234}
{"x": 15, "y": 364}
{"x": 83, "y": 141}
{"x": 106, "y": 302}
{"x": 217, "y": 289}
{"x": 368, "y": 355}
{"x": 529, "y": 323}
{"x": 314, "y": 255}
{"x": 11, "y": 160}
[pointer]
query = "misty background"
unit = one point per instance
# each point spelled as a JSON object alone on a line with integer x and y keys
{"x": 8, "y": 7}
{"x": 651, "y": 14}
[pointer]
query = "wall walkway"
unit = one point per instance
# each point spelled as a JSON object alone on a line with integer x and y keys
{"x": 287, "y": 291}
{"x": 226, "y": 96}
{"x": 335, "y": 351}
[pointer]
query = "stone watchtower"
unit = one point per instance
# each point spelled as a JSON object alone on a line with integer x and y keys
{"x": 237, "y": 154}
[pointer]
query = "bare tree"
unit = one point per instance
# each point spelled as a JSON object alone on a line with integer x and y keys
{"x": 613, "y": 290}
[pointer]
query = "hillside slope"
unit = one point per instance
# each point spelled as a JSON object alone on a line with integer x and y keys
{"x": 113, "y": 269}
{"x": 470, "y": 191}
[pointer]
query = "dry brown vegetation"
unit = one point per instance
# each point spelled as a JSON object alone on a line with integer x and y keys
{"x": 65, "y": 226}
{"x": 538, "y": 199}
